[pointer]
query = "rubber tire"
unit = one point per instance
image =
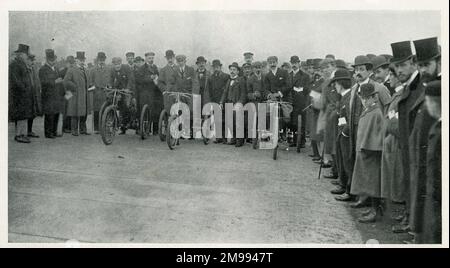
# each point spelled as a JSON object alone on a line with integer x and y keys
{"x": 171, "y": 141}
{"x": 100, "y": 113}
{"x": 299, "y": 136}
{"x": 275, "y": 153}
{"x": 162, "y": 128}
{"x": 110, "y": 109}
{"x": 145, "y": 110}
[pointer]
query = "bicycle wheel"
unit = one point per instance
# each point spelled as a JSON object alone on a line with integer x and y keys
{"x": 299, "y": 133}
{"x": 162, "y": 125}
{"x": 145, "y": 122}
{"x": 108, "y": 125}
{"x": 275, "y": 153}
{"x": 100, "y": 113}
{"x": 171, "y": 141}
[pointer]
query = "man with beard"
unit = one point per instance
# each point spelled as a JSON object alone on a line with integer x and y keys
{"x": 121, "y": 78}
{"x": 428, "y": 59}
{"x": 381, "y": 72}
{"x": 218, "y": 82}
{"x": 363, "y": 71}
{"x": 300, "y": 83}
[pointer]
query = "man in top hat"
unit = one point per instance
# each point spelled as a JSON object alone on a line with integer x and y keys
{"x": 300, "y": 83}
{"x": 342, "y": 83}
{"x": 121, "y": 77}
{"x": 21, "y": 94}
{"x": 366, "y": 177}
{"x": 381, "y": 72}
{"x": 432, "y": 212}
{"x": 76, "y": 81}
{"x": 427, "y": 53}
{"x": 363, "y": 70}
{"x": 53, "y": 91}
{"x": 100, "y": 77}
{"x": 217, "y": 84}
{"x": 203, "y": 79}
{"x": 236, "y": 94}
{"x": 406, "y": 69}
{"x": 36, "y": 85}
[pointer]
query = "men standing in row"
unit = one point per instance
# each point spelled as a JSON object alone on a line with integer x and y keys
{"x": 300, "y": 83}
{"x": 21, "y": 94}
{"x": 52, "y": 94}
{"x": 100, "y": 79}
{"x": 76, "y": 81}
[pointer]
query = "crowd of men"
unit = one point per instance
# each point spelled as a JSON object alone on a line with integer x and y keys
{"x": 376, "y": 124}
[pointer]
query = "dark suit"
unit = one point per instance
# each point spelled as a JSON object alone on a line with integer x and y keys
{"x": 123, "y": 79}
{"x": 343, "y": 150}
{"x": 145, "y": 86}
{"x": 52, "y": 98}
{"x": 217, "y": 84}
{"x": 235, "y": 92}
{"x": 278, "y": 83}
{"x": 300, "y": 100}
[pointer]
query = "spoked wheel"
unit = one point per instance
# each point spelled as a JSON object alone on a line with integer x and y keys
{"x": 275, "y": 153}
{"x": 171, "y": 141}
{"x": 145, "y": 122}
{"x": 108, "y": 125}
{"x": 162, "y": 125}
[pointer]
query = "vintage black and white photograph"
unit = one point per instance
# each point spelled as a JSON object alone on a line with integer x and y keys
{"x": 225, "y": 126}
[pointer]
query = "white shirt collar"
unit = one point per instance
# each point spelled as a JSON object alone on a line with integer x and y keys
{"x": 295, "y": 72}
{"x": 397, "y": 89}
{"x": 274, "y": 71}
{"x": 345, "y": 91}
{"x": 365, "y": 81}
{"x": 386, "y": 79}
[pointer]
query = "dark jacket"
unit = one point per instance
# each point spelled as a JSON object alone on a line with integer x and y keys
{"x": 217, "y": 84}
{"x": 254, "y": 85}
{"x": 52, "y": 93}
{"x": 235, "y": 92}
{"x": 20, "y": 91}
{"x": 278, "y": 83}
{"x": 121, "y": 79}
{"x": 300, "y": 100}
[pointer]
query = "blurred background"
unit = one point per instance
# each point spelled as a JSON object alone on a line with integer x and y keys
{"x": 223, "y": 35}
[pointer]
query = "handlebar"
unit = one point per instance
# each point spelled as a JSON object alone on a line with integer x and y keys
{"x": 177, "y": 94}
{"x": 120, "y": 91}
{"x": 279, "y": 102}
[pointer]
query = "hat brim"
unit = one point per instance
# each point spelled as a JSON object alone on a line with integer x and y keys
{"x": 364, "y": 63}
{"x": 229, "y": 67}
{"x": 381, "y": 65}
{"x": 368, "y": 95}
{"x": 428, "y": 59}
{"x": 340, "y": 78}
{"x": 400, "y": 60}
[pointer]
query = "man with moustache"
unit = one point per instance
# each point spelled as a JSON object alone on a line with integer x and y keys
{"x": 217, "y": 85}
{"x": 255, "y": 86}
{"x": 203, "y": 79}
{"x": 167, "y": 77}
{"x": 381, "y": 72}
{"x": 300, "y": 83}
{"x": 235, "y": 93}
{"x": 428, "y": 60}
{"x": 363, "y": 71}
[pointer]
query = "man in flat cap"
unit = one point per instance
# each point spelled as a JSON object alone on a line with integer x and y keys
{"x": 52, "y": 94}
{"x": 427, "y": 54}
{"x": 300, "y": 83}
{"x": 100, "y": 79}
{"x": 20, "y": 93}
{"x": 363, "y": 70}
{"x": 217, "y": 84}
{"x": 76, "y": 81}
{"x": 381, "y": 72}
{"x": 432, "y": 212}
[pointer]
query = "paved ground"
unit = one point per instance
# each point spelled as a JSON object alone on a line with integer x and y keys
{"x": 140, "y": 191}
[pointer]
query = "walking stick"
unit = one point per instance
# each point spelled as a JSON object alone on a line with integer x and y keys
{"x": 321, "y": 162}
